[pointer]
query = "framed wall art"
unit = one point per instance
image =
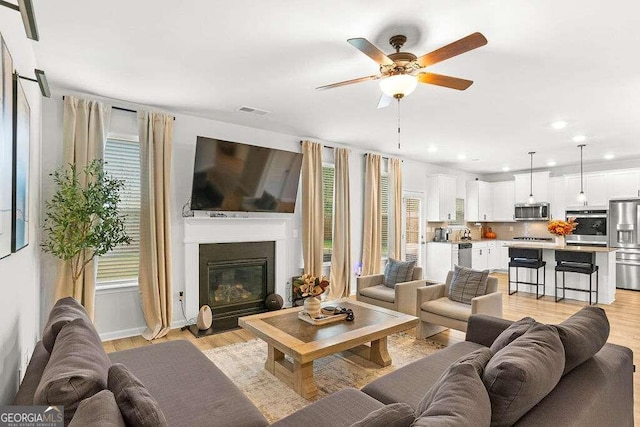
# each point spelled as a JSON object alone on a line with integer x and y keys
{"x": 6, "y": 148}
{"x": 21, "y": 144}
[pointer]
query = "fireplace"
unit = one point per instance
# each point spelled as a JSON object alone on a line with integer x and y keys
{"x": 235, "y": 279}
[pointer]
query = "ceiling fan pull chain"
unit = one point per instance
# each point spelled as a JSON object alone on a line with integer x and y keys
{"x": 398, "y": 123}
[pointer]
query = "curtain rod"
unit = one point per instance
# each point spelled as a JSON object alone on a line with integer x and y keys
{"x": 122, "y": 109}
{"x": 329, "y": 146}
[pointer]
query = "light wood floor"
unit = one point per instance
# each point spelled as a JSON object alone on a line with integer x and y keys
{"x": 623, "y": 314}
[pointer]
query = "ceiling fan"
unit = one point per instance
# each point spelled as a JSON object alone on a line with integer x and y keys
{"x": 400, "y": 72}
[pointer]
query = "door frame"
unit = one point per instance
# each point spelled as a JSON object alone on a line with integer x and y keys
{"x": 422, "y": 241}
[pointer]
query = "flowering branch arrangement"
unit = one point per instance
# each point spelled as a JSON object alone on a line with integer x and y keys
{"x": 562, "y": 228}
{"x": 307, "y": 286}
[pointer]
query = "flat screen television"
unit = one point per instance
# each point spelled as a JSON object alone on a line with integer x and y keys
{"x": 236, "y": 177}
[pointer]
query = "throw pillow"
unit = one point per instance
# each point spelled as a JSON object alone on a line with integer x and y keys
{"x": 443, "y": 396}
{"x": 136, "y": 404}
{"x": 467, "y": 284}
{"x": 583, "y": 335}
{"x": 523, "y": 373}
{"x": 100, "y": 410}
{"x": 398, "y": 272}
{"x": 64, "y": 311}
{"x": 515, "y": 330}
{"x": 77, "y": 368}
{"x": 394, "y": 415}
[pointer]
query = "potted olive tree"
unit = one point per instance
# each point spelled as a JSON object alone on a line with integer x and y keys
{"x": 82, "y": 219}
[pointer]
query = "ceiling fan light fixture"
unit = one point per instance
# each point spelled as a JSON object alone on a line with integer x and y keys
{"x": 398, "y": 85}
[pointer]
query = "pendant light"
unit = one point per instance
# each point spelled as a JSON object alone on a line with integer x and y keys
{"x": 531, "y": 199}
{"x": 582, "y": 198}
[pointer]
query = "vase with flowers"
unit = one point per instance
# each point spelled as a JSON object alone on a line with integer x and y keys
{"x": 308, "y": 288}
{"x": 561, "y": 228}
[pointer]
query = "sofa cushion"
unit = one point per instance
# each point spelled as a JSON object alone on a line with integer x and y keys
{"x": 64, "y": 311}
{"x": 459, "y": 400}
{"x": 394, "y": 415}
{"x": 515, "y": 330}
{"x": 379, "y": 292}
{"x": 447, "y": 308}
{"x": 77, "y": 368}
{"x": 32, "y": 376}
{"x": 583, "y": 335}
{"x": 410, "y": 383}
{"x": 467, "y": 284}
{"x": 136, "y": 404}
{"x": 339, "y": 409}
{"x": 523, "y": 373}
{"x": 99, "y": 410}
{"x": 398, "y": 272}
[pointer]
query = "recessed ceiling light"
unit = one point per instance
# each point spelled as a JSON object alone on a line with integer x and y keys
{"x": 560, "y": 124}
{"x": 609, "y": 156}
{"x": 579, "y": 138}
{"x": 462, "y": 156}
{"x": 432, "y": 149}
{"x": 506, "y": 169}
{"x": 551, "y": 163}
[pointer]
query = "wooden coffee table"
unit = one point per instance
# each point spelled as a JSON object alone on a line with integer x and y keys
{"x": 287, "y": 335}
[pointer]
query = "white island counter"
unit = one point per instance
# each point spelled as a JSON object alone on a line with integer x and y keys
{"x": 605, "y": 260}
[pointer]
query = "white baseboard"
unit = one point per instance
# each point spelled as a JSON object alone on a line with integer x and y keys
{"x": 126, "y": 333}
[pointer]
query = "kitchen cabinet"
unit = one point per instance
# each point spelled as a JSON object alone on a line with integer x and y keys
{"x": 503, "y": 195}
{"x": 540, "y": 187}
{"x": 624, "y": 183}
{"x": 441, "y": 198}
{"x": 557, "y": 197}
{"x": 504, "y": 256}
{"x": 595, "y": 187}
{"x": 493, "y": 256}
{"x": 439, "y": 261}
{"x": 478, "y": 202}
{"x": 480, "y": 256}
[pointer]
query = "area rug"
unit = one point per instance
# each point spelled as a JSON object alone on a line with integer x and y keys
{"x": 243, "y": 363}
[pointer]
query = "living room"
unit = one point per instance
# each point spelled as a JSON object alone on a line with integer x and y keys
{"x": 483, "y": 134}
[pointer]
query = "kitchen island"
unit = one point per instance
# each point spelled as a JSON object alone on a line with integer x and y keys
{"x": 605, "y": 260}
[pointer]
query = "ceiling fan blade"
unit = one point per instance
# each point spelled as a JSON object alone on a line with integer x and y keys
{"x": 461, "y": 46}
{"x": 445, "y": 81}
{"x": 385, "y": 101}
{"x": 366, "y": 47}
{"x": 349, "y": 82}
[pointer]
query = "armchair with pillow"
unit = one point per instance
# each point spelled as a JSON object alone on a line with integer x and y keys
{"x": 450, "y": 304}
{"x": 395, "y": 289}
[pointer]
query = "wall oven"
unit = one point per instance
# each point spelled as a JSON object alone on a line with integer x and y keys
{"x": 592, "y": 226}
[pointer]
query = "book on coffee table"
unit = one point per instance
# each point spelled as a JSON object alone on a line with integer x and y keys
{"x": 322, "y": 319}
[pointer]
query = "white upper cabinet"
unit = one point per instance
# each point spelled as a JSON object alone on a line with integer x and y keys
{"x": 625, "y": 183}
{"x": 596, "y": 187}
{"x": 441, "y": 198}
{"x": 558, "y": 197}
{"x": 503, "y": 200}
{"x": 478, "y": 201}
{"x": 540, "y": 187}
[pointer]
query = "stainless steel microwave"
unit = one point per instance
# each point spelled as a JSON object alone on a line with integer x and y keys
{"x": 532, "y": 212}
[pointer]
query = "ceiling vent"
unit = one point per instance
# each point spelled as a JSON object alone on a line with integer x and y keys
{"x": 252, "y": 110}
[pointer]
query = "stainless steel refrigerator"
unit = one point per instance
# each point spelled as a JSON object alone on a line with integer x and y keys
{"x": 624, "y": 234}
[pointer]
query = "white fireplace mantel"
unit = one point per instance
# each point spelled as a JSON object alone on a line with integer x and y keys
{"x": 230, "y": 230}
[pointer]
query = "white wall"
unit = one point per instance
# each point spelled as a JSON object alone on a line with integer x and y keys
{"x": 20, "y": 302}
{"x": 117, "y": 310}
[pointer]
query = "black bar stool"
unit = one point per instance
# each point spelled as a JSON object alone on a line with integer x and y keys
{"x": 576, "y": 262}
{"x": 527, "y": 258}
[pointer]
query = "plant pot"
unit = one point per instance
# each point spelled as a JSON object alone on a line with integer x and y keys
{"x": 561, "y": 241}
{"x": 312, "y": 306}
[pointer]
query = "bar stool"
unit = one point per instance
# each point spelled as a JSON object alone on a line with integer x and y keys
{"x": 527, "y": 258}
{"x": 576, "y": 262}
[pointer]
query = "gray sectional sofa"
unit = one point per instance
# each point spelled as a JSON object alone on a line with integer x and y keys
{"x": 189, "y": 390}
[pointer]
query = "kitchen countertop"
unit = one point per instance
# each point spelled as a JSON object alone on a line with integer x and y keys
{"x": 554, "y": 247}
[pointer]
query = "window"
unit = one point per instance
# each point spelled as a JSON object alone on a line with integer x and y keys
{"x": 122, "y": 161}
{"x": 384, "y": 190}
{"x": 412, "y": 231}
{"x": 328, "y": 173}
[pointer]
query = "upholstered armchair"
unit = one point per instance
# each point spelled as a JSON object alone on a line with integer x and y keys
{"x": 437, "y": 312}
{"x": 402, "y": 297}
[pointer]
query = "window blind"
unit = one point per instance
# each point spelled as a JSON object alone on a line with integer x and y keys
{"x": 412, "y": 229}
{"x": 328, "y": 173}
{"x": 122, "y": 161}
{"x": 384, "y": 187}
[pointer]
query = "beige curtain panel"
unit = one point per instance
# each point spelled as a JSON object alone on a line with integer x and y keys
{"x": 372, "y": 233}
{"x": 395, "y": 208}
{"x": 341, "y": 254}
{"x": 84, "y": 132}
{"x": 312, "y": 212}
{"x": 156, "y": 138}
